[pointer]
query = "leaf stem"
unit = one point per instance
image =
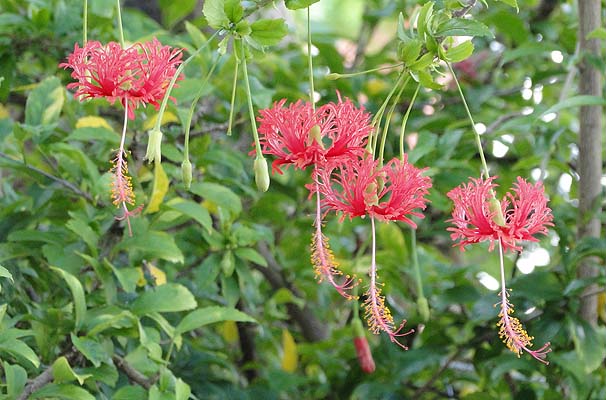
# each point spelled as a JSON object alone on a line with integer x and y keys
{"x": 405, "y": 120}
{"x": 251, "y": 110}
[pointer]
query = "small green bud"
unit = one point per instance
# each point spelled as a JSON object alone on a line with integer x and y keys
{"x": 186, "y": 173}
{"x": 423, "y": 308}
{"x": 154, "y": 146}
{"x": 358, "y": 330}
{"x": 494, "y": 206}
{"x": 228, "y": 263}
{"x": 333, "y": 76}
{"x": 261, "y": 174}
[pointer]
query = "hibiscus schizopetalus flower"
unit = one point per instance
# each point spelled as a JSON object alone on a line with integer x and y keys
{"x": 476, "y": 219}
{"x": 139, "y": 74}
{"x": 477, "y": 216}
{"x": 298, "y": 135}
{"x": 359, "y": 187}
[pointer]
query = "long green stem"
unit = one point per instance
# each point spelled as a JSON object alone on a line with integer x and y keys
{"x": 119, "y": 11}
{"x": 192, "y": 108}
{"x": 415, "y": 262}
{"x": 376, "y": 121}
{"x": 251, "y": 110}
{"x": 388, "y": 120}
{"x": 234, "y": 86}
{"x": 85, "y": 23}
{"x": 473, "y": 125}
{"x": 310, "y": 63}
{"x": 405, "y": 120}
{"x": 334, "y": 76}
{"x": 174, "y": 79}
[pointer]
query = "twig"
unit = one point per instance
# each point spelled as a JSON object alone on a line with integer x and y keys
{"x": 437, "y": 374}
{"x": 60, "y": 181}
{"x": 38, "y": 382}
{"x": 132, "y": 373}
{"x": 313, "y": 329}
{"x": 460, "y": 13}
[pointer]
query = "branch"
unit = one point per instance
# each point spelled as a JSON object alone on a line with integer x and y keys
{"x": 133, "y": 374}
{"x": 460, "y": 13}
{"x": 60, "y": 181}
{"x": 313, "y": 329}
{"x": 38, "y": 382}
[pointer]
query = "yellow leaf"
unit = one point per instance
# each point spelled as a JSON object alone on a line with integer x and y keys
{"x": 229, "y": 331}
{"x": 4, "y": 112}
{"x": 160, "y": 189}
{"x": 92, "y": 121}
{"x": 158, "y": 275}
{"x": 290, "y": 354}
{"x": 602, "y": 306}
{"x": 166, "y": 118}
{"x": 210, "y": 206}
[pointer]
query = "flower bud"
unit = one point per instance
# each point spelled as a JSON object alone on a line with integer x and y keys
{"x": 154, "y": 146}
{"x": 261, "y": 174}
{"x": 423, "y": 308}
{"x": 186, "y": 173}
{"x": 333, "y": 76}
{"x": 367, "y": 364}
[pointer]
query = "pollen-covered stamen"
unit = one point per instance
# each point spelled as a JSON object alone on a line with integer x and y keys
{"x": 121, "y": 184}
{"x": 323, "y": 259}
{"x": 511, "y": 330}
{"x": 378, "y": 316}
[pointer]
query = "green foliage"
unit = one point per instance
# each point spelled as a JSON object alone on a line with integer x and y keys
{"x": 195, "y": 304}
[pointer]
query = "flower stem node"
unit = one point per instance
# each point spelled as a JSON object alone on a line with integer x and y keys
{"x": 494, "y": 206}
{"x": 423, "y": 308}
{"x": 261, "y": 173}
{"x": 186, "y": 173}
{"x": 154, "y": 146}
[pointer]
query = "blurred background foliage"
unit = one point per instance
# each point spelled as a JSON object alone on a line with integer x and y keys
{"x": 214, "y": 297}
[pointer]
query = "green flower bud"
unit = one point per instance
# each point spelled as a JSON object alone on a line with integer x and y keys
{"x": 186, "y": 173}
{"x": 154, "y": 146}
{"x": 261, "y": 174}
{"x": 333, "y": 76}
{"x": 315, "y": 134}
{"x": 423, "y": 308}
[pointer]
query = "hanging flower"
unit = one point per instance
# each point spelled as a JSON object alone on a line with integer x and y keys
{"x": 359, "y": 187}
{"x": 477, "y": 216}
{"x": 298, "y": 135}
{"x": 139, "y": 74}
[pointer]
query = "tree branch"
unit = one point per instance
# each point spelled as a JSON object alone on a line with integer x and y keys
{"x": 313, "y": 329}
{"x": 38, "y": 382}
{"x": 132, "y": 373}
{"x": 60, "y": 181}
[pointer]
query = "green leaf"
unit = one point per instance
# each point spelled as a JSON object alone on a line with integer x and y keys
{"x": 297, "y": 4}
{"x": 171, "y": 297}
{"x": 62, "y": 391}
{"x": 209, "y": 315}
{"x": 5, "y": 273}
{"x": 45, "y": 102}
{"x": 175, "y": 11}
{"x": 233, "y": 10}
{"x": 459, "y": 53}
{"x": 16, "y": 378}
{"x": 197, "y": 37}
{"x": 9, "y": 343}
{"x": 268, "y": 32}
{"x": 250, "y": 254}
{"x": 220, "y": 195}
{"x": 130, "y": 393}
{"x": 153, "y": 244}
{"x": 77, "y": 292}
{"x": 63, "y": 372}
{"x": 193, "y": 210}
{"x": 410, "y": 51}
{"x": 214, "y": 11}
{"x": 512, "y": 3}
{"x": 85, "y": 232}
{"x": 91, "y": 349}
{"x": 599, "y": 33}
{"x": 463, "y": 27}
{"x": 182, "y": 390}
{"x": 590, "y": 344}
{"x": 575, "y": 101}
